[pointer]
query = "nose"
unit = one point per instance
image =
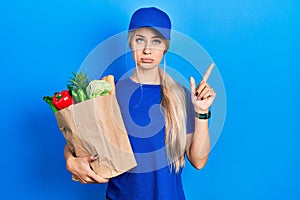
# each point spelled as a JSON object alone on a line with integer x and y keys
{"x": 147, "y": 48}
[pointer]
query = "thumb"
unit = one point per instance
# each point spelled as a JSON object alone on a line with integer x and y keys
{"x": 192, "y": 84}
{"x": 93, "y": 157}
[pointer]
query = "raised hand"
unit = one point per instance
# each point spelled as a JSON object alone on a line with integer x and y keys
{"x": 202, "y": 95}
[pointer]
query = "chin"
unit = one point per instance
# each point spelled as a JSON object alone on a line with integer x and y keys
{"x": 147, "y": 66}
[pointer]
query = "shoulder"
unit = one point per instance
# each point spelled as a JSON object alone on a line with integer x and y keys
{"x": 125, "y": 88}
{"x": 123, "y": 83}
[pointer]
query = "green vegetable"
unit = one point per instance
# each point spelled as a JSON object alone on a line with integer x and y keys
{"x": 48, "y": 100}
{"x": 98, "y": 88}
{"x": 77, "y": 87}
{"x": 81, "y": 95}
{"x": 73, "y": 94}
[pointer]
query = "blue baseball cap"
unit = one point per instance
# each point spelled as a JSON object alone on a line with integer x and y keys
{"x": 151, "y": 17}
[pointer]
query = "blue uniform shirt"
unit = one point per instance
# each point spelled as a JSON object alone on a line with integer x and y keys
{"x": 143, "y": 117}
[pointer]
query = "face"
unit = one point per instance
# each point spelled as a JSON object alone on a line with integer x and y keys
{"x": 148, "y": 47}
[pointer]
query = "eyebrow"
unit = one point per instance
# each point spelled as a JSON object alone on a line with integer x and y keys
{"x": 156, "y": 36}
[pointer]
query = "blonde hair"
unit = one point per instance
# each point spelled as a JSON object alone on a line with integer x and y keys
{"x": 173, "y": 103}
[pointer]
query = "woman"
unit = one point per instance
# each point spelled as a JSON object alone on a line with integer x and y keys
{"x": 162, "y": 121}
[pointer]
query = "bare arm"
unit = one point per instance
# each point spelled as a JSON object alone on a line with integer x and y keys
{"x": 80, "y": 167}
{"x": 198, "y": 143}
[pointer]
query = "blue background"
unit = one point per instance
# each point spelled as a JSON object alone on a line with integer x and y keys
{"x": 255, "y": 44}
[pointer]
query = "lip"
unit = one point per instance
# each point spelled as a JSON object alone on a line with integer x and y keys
{"x": 147, "y": 60}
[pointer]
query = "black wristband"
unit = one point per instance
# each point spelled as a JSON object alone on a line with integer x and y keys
{"x": 203, "y": 116}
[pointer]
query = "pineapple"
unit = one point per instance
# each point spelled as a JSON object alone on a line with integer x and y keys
{"x": 77, "y": 86}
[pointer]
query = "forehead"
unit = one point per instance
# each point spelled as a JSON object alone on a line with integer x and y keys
{"x": 147, "y": 32}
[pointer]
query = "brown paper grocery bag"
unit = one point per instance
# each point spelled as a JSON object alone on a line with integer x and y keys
{"x": 94, "y": 127}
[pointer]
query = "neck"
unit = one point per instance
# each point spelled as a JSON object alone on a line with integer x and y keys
{"x": 146, "y": 76}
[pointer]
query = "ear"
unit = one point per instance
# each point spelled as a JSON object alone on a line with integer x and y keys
{"x": 129, "y": 43}
{"x": 167, "y": 45}
{"x": 129, "y": 38}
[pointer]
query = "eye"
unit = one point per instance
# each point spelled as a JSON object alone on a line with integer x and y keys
{"x": 139, "y": 40}
{"x": 156, "y": 42}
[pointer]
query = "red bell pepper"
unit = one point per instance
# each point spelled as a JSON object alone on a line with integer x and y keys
{"x": 62, "y": 99}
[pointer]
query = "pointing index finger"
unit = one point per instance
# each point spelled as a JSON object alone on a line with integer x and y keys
{"x": 208, "y": 71}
